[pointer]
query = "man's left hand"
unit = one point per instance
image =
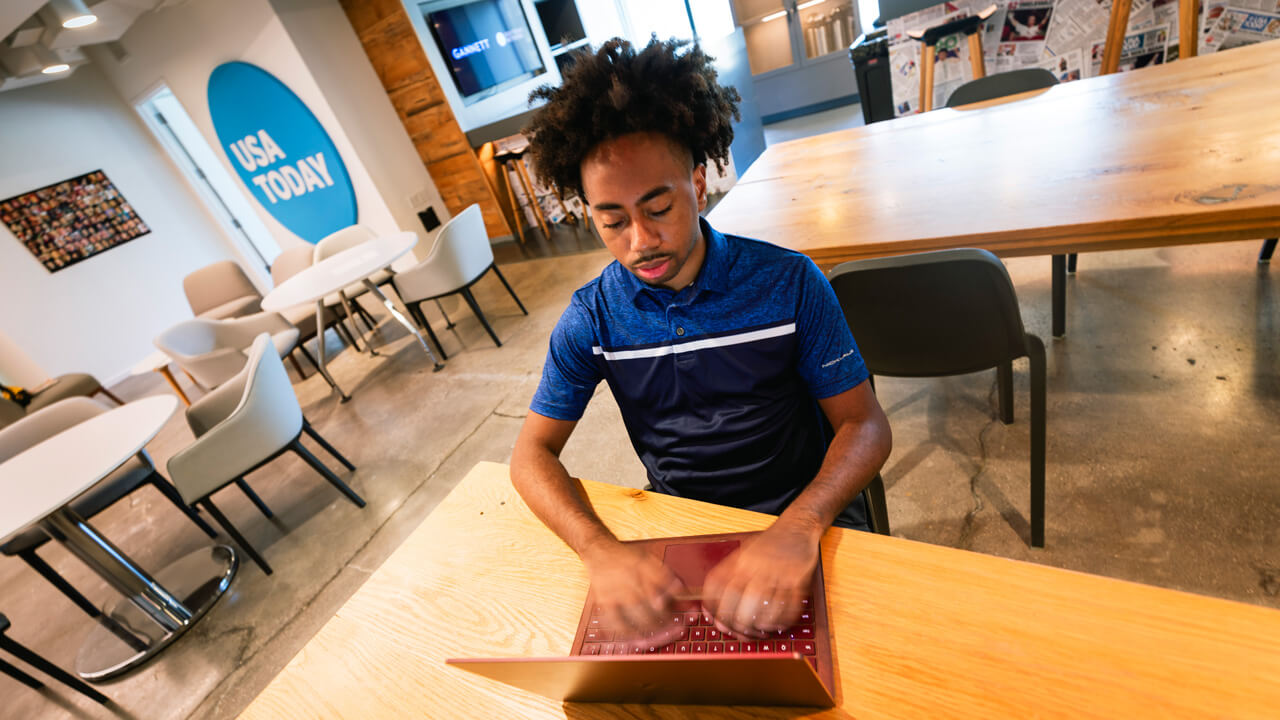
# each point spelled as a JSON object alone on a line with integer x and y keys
{"x": 759, "y": 588}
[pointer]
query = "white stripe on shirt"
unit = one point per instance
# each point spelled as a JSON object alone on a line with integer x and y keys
{"x": 692, "y": 345}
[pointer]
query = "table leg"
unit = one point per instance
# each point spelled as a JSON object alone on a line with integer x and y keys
{"x": 172, "y": 600}
{"x": 351, "y": 313}
{"x": 373, "y": 288}
{"x": 320, "y": 351}
{"x": 164, "y": 371}
{"x": 1059, "y": 295}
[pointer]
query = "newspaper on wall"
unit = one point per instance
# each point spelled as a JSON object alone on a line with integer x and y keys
{"x": 1066, "y": 67}
{"x": 1237, "y": 26}
{"x": 1075, "y": 24}
{"x": 1140, "y": 49}
{"x": 1211, "y": 12}
{"x": 1022, "y": 36}
{"x": 951, "y": 65}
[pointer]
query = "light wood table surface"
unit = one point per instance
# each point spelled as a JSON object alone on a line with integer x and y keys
{"x": 1186, "y": 152}
{"x": 920, "y": 631}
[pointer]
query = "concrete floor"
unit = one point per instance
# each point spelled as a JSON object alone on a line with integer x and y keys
{"x": 1163, "y": 402}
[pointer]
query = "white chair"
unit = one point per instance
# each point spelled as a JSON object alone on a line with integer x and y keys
{"x": 244, "y": 424}
{"x": 286, "y": 265}
{"x": 221, "y": 290}
{"x": 460, "y": 257}
{"x": 211, "y": 351}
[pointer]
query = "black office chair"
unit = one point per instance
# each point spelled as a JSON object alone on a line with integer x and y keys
{"x": 1001, "y": 85}
{"x": 949, "y": 312}
{"x": 13, "y": 647}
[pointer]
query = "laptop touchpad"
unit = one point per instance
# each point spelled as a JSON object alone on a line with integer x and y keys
{"x": 692, "y": 561}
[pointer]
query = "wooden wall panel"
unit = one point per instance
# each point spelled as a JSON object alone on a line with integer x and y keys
{"x": 389, "y": 40}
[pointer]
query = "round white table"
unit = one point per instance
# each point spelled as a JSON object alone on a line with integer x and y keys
{"x": 37, "y": 487}
{"x": 334, "y": 274}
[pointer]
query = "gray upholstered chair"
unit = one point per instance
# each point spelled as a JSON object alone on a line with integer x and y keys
{"x": 290, "y": 263}
{"x": 138, "y": 471}
{"x": 20, "y": 651}
{"x": 460, "y": 257}
{"x": 244, "y": 424}
{"x": 221, "y": 290}
{"x": 212, "y": 351}
{"x": 63, "y": 387}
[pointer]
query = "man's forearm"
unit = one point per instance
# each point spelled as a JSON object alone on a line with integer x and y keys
{"x": 555, "y": 498}
{"x": 855, "y": 455}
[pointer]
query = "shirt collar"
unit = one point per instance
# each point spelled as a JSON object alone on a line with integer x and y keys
{"x": 713, "y": 275}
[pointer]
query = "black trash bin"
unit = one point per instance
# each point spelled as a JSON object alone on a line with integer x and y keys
{"x": 870, "y": 57}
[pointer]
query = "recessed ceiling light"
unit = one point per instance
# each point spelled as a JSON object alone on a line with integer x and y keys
{"x": 55, "y": 69}
{"x": 72, "y": 13}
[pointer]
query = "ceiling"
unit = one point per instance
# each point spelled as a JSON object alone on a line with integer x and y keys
{"x": 30, "y": 31}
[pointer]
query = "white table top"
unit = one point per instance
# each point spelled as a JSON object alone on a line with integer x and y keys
{"x": 337, "y": 272}
{"x": 47, "y": 476}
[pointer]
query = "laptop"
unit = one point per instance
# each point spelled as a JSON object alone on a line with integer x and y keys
{"x": 702, "y": 667}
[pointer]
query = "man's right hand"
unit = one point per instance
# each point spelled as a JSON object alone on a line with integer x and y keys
{"x": 634, "y": 591}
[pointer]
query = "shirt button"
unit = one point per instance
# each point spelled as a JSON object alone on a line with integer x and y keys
{"x": 680, "y": 331}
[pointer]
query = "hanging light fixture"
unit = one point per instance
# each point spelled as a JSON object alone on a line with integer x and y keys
{"x": 72, "y": 13}
{"x": 50, "y": 63}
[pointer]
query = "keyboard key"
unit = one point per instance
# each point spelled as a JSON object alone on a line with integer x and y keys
{"x": 606, "y": 649}
{"x": 683, "y": 648}
{"x": 708, "y": 620}
{"x": 781, "y": 633}
{"x": 595, "y": 622}
{"x": 729, "y": 636}
{"x": 684, "y": 634}
{"x": 808, "y": 647}
{"x": 596, "y": 610}
{"x": 715, "y": 648}
{"x": 713, "y": 634}
{"x": 598, "y": 635}
{"x": 749, "y": 647}
{"x": 591, "y": 648}
{"x": 806, "y": 602}
{"x": 638, "y": 649}
{"x": 782, "y": 646}
{"x": 698, "y": 634}
{"x": 804, "y": 632}
{"x": 692, "y": 618}
{"x": 806, "y": 617}
{"x": 677, "y": 619}
{"x": 652, "y": 650}
{"x": 669, "y": 649}
{"x": 766, "y": 646}
{"x": 731, "y": 647}
{"x": 699, "y": 648}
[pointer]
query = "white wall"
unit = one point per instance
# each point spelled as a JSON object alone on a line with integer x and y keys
{"x": 98, "y": 315}
{"x": 181, "y": 46}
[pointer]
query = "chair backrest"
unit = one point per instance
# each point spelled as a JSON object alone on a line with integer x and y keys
{"x": 291, "y": 262}
{"x": 217, "y": 284}
{"x": 45, "y": 423}
{"x": 201, "y": 347}
{"x": 938, "y": 313}
{"x": 462, "y": 246}
{"x": 347, "y": 237}
{"x": 1002, "y": 84}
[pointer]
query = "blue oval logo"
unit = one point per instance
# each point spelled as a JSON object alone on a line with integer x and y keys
{"x": 280, "y": 151}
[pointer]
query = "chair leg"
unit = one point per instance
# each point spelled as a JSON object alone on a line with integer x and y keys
{"x": 253, "y": 497}
{"x": 46, "y": 571}
{"x": 1071, "y": 263}
{"x": 1004, "y": 385}
{"x": 22, "y": 653}
{"x": 1268, "y": 248}
{"x": 293, "y": 360}
{"x": 420, "y": 317}
{"x": 448, "y": 324}
{"x": 1059, "y": 286}
{"x": 345, "y": 333}
{"x": 507, "y": 285}
{"x": 235, "y": 534}
{"x": 877, "y": 507}
{"x": 319, "y": 467}
{"x": 118, "y": 401}
{"x": 307, "y": 354}
{"x": 20, "y": 676}
{"x": 306, "y": 428}
{"x": 1035, "y": 349}
{"x": 169, "y": 491}
{"x": 475, "y": 308}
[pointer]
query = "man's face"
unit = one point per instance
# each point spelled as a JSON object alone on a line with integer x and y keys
{"x": 646, "y": 194}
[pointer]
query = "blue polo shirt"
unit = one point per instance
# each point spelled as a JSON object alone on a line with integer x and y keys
{"x": 717, "y": 383}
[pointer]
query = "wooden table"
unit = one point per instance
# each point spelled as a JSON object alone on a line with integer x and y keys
{"x": 1187, "y": 152}
{"x": 920, "y": 630}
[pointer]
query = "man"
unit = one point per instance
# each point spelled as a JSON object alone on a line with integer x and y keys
{"x": 738, "y": 380}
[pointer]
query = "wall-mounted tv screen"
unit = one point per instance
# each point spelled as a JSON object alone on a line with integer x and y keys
{"x": 488, "y": 44}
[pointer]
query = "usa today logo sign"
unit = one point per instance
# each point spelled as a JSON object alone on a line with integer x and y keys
{"x": 280, "y": 151}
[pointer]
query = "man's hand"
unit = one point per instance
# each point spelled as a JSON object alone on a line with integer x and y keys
{"x": 759, "y": 588}
{"x": 635, "y": 591}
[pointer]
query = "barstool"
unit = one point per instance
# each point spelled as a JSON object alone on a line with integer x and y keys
{"x": 969, "y": 26}
{"x": 14, "y": 648}
{"x": 507, "y": 157}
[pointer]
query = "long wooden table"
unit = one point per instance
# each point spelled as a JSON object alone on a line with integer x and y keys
{"x": 919, "y": 630}
{"x": 1187, "y": 152}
